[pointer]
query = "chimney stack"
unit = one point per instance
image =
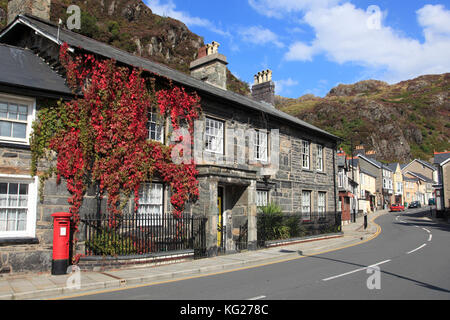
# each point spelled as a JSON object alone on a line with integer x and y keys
{"x": 263, "y": 89}
{"x": 210, "y": 66}
{"x": 38, "y": 8}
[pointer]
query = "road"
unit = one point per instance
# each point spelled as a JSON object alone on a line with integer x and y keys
{"x": 412, "y": 254}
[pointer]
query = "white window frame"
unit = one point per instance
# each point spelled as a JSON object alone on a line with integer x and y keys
{"x": 305, "y": 149}
{"x": 260, "y": 151}
{"x": 321, "y": 203}
{"x": 319, "y": 160}
{"x": 156, "y": 119}
{"x": 214, "y": 137}
{"x": 306, "y": 205}
{"x": 30, "y": 229}
{"x": 145, "y": 202}
{"x": 262, "y": 198}
{"x": 31, "y": 114}
{"x": 341, "y": 179}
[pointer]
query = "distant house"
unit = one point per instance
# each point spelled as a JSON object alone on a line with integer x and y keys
{"x": 347, "y": 187}
{"x": 367, "y": 190}
{"x": 384, "y": 184}
{"x": 411, "y": 189}
{"x": 424, "y": 191}
{"x": 427, "y": 175}
{"x": 442, "y": 185}
{"x": 397, "y": 181}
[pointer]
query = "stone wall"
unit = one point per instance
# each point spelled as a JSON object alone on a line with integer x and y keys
{"x": 241, "y": 181}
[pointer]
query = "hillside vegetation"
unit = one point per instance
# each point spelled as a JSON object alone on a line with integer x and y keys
{"x": 131, "y": 26}
{"x": 407, "y": 120}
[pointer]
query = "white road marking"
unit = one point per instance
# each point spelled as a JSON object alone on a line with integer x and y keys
{"x": 417, "y": 248}
{"x": 430, "y": 237}
{"x": 258, "y": 298}
{"x": 360, "y": 269}
{"x": 426, "y": 230}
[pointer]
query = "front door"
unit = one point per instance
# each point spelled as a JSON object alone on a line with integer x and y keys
{"x": 220, "y": 217}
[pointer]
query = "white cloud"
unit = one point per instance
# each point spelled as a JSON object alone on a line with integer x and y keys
{"x": 281, "y": 85}
{"x": 168, "y": 9}
{"x": 343, "y": 34}
{"x": 260, "y": 36}
{"x": 278, "y": 8}
{"x": 300, "y": 51}
{"x": 436, "y": 22}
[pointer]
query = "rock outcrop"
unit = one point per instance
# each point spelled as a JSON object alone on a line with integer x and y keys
{"x": 407, "y": 120}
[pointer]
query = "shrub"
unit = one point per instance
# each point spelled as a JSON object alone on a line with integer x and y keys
{"x": 109, "y": 243}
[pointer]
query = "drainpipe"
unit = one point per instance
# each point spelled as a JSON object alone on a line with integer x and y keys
{"x": 334, "y": 181}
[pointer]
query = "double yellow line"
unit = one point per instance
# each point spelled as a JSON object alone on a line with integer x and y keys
{"x": 376, "y": 234}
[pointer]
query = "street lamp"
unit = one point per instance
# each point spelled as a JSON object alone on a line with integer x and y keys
{"x": 353, "y": 182}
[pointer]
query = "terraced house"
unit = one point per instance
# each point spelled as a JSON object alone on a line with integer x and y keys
{"x": 286, "y": 160}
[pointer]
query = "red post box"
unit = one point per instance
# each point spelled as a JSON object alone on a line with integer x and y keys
{"x": 61, "y": 242}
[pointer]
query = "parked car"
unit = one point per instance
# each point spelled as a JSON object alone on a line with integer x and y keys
{"x": 397, "y": 207}
{"x": 415, "y": 204}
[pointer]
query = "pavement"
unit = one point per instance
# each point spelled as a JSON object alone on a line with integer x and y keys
{"x": 46, "y": 286}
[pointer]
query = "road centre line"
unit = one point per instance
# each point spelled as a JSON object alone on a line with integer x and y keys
{"x": 417, "y": 248}
{"x": 354, "y": 271}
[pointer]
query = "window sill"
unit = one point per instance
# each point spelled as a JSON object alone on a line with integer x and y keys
{"x": 13, "y": 241}
{"x": 15, "y": 145}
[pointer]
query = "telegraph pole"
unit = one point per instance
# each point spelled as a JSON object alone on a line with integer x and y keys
{"x": 353, "y": 178}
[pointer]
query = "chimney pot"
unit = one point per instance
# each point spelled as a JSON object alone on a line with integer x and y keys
{"x": 210, "y": 66}
{"x": 264, "y": 89}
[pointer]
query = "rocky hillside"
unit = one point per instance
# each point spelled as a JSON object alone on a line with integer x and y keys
{"x": 407, "y": 120}
{"x": 131, "y": 25}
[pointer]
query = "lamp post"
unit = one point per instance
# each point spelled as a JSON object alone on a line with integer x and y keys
{"x": 353, "y": 182}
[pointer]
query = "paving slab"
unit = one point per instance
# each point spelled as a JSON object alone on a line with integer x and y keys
{"x": 46, "y": 285}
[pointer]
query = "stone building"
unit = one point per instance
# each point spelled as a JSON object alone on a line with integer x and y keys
{"x": 250, "y": 153}
{"x": 442, "y": 186}
{"x": 426, "y": 173}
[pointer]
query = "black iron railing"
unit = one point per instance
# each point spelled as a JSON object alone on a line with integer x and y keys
{"x": 139, "y": 234}
{"x": 279, "y": 226}
{"x": 242, "y": 240}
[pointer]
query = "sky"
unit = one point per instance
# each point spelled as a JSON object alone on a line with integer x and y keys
{"x": 312, "y": 46}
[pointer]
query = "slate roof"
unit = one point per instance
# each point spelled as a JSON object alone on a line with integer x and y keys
{"x": 22, "y": 68}
{"x": 367, "y": 172}
{"x": 425, "y": 163}
{"x": 392, "y": 166}
{"x": 405, "y": 178}
{"x": 75, "y": 40}
{"x": 441, "y": 157}
{"x": 421, "y": 176}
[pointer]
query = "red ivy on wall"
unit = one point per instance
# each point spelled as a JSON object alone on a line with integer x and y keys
{"x": 104, "y": 139}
